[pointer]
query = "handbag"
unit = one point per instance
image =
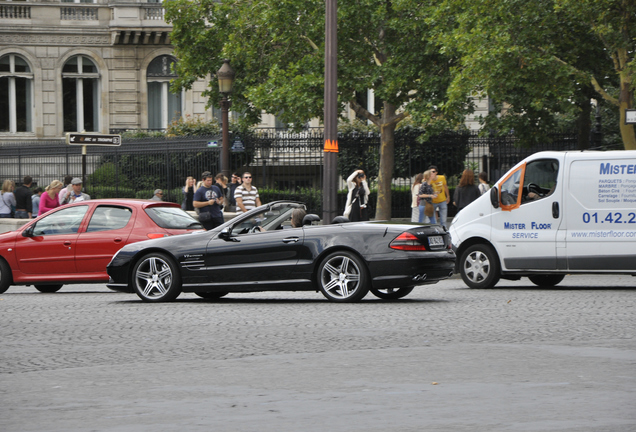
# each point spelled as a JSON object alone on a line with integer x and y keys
{"x": 205, "y": 216}
{"x": 429, "y": 209}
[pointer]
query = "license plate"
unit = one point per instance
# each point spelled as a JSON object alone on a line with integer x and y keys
{"x": 436, "y": 241}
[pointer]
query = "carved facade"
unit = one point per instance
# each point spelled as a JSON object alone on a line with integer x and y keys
{"x": 68, "y": 67}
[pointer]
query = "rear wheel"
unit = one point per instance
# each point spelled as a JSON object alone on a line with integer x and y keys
{"x": 391, "y": 293}
{"x": 479, "y": 266}
{"x": 5, "y": 276}
{"x": 50, "y": 288}
{"x": 211, "y": 295}
{"x": 156, "y": 278}
{"x": 547, "y": 280}
{"x": 342, "y": 277}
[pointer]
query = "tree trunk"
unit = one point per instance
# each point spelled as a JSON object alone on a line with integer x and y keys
{"x": 625, "y": 102}
{"x": 387, "y": 157}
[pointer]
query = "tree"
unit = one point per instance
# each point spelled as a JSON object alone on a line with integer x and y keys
{"x": 539, "y": 59}
{"x": 277, "y": 50}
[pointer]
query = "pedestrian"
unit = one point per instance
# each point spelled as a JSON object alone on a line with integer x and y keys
{"x": 76, "y": 194}
{"x": 356, "y": 207}
{"x": 484, "y": 186}
{"x": 231, "y": 203}
{"x": 466, "y": 191}
{"x": 221, "y": 183}
{"x": 66, "y": 189}
{"x": 246, "y": 195}
{"x": 209, "y": 199}
{"x": 443, "y": 195}
{"x": 50, "y": 198}
{"x": 415, "y": 203}
{"x": 427, "y": 195}
{"x": 158, "y": 195}
{"x": 23, "y": 199}
{"x": 7, "y": 204}
{"x": 35, "y": 202}
{"x": 188, "y": 194}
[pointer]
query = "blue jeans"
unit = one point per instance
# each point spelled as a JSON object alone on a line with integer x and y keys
{"x": 443, "y": 212}
{"x": 424, "y": 218}
{"x": 6, "y": 215}
{"x": 21, "y": 214}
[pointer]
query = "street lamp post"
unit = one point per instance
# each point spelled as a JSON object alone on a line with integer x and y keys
{"x": 225, "y": 76}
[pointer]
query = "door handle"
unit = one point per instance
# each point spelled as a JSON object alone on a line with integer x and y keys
{"x": 555, "y": 210}
{"x": 117, "y": 240}
{"x": 67, "y": 243}
{"x": 290, "y": 239}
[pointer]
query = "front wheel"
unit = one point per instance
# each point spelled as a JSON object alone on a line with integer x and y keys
{"x": 392, "y": 293}
{"x": 546, "y": 280}
{"x": 51, "y": 288}
{"x": 5, "y": 276}
{"x": 156, "y": 278}
{"x": 342, "y": 277}
{"x": 479, "y": 267}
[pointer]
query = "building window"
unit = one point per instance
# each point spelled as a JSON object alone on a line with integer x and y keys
{"x": 16, "y": 94}
{"x": 78, "y": 1}
{"x": 163, "y": 106}
{"x": 80, "y": 86}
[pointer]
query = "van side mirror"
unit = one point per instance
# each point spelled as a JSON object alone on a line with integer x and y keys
{"x": 494, "y": 197}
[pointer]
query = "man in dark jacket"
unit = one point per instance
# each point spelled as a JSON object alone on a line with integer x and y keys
{"x": 23, "y": 204}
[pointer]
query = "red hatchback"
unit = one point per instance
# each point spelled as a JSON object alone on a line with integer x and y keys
{"x": 74, "y": 243}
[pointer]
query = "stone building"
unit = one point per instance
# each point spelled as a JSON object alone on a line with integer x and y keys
{"x": 68, "y": 66}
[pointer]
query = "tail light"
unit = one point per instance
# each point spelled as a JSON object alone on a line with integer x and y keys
{"x": 407, "y": 242}
{"x": 157, "y": 235}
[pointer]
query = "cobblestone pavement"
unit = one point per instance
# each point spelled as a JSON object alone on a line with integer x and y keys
{"x": 445, "y": 358}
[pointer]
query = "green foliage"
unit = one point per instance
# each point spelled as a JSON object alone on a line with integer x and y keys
{"x": 106, "y": 176}
{"x": 193, "y": 127}
{"x": 98, "y": 191}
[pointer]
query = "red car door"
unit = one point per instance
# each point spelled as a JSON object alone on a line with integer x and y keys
{"x": 49, "y": 245}
{"x": 108, "y": 231}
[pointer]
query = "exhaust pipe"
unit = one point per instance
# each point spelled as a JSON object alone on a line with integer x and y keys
{"x": 419, "y": 278}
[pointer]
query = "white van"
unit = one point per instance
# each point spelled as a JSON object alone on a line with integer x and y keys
{"x": 553, "y": 214}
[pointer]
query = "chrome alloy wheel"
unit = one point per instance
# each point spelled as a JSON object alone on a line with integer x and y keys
{"x": 343, "y": 277}
{"x": 155, "y": 278}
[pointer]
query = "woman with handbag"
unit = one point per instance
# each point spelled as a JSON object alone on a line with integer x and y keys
{"x": 426, "y": 195}
{"x": 356, "y": 208}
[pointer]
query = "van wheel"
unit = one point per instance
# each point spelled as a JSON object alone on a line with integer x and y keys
{"x": 479, "y": 267}
{"x": 547, "y": 280}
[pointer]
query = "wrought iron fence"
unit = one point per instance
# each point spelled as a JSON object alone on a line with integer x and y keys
{"x": 284, "y": 164}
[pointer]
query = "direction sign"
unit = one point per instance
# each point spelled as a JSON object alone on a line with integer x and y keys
{"x": 630, "y": 116}
{"x": 92, "y": 139}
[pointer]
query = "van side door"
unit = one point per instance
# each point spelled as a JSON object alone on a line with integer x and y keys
{"x": 525, "y": 226}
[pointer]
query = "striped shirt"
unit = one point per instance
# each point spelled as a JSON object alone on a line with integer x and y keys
{"x": 249, "y": 197}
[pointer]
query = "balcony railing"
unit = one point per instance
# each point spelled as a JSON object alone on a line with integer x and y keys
{"x": 78, "y": 14}
{"x": 15, "y": 12}
{"x": 154, "y": 13}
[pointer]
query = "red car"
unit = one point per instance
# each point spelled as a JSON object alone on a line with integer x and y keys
{"x": 74, "y": 243}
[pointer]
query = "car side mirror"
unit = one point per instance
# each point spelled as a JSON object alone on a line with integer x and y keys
{"x": 28, "y": 232}
{"x": 226, "y": 234}
{"x": 494, "y": 197}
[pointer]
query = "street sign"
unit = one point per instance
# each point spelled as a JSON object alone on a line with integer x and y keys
{"x": 630, "y": 116}
{"x": 92, "y": 139}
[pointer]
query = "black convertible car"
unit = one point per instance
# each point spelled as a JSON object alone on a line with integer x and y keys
{"x": 263, "y": 250}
